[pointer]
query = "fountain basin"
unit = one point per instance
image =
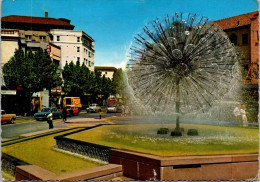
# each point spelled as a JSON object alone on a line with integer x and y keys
{"x": 224, "y": 158}
{"x": 212, "y": 140}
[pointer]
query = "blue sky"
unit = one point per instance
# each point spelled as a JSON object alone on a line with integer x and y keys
{"x": 114, "y": 23}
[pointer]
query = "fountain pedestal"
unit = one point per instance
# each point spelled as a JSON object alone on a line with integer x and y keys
{"x": 214, "y": 167}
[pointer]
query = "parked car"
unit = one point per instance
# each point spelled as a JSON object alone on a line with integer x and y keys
{"x": 72, "y": 110}
{"x": 7, "y": 118}
{"x": 93, "y": 108}
{"x": 111, "y": 109}
{"x": 46, "y": 111}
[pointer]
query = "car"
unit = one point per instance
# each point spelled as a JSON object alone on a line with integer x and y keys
{"x": 93, "y": 108}
{"x": 46, "y": 111}
{"x": 7, "y": 118}
{"x": 111, "y": 109}
{"x": 72, "y": 110}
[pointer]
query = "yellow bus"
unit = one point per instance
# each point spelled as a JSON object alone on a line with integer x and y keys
{"x": 72, "y": 101}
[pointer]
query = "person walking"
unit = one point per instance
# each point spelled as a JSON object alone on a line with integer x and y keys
{"x": 237, "y": 114}
{"x": 127, "y": 110}
{"x": 243, "y": 114}
{"x": 50, "y": 118}
{"x": 123, "y": 111}
{"x": 64, "y": 113}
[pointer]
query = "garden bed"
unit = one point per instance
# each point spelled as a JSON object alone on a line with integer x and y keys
{"x": 41, "y": 152}
{"x": 212, "y": 140}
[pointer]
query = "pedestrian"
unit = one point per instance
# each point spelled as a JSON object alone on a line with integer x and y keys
{"x": 123, "y": 111}
{"x": 237, "y": 114}
{"x": 50, "y": 118}
{"x": 127, "y": 110}
{"x": 243, "y": 114}
{"x": 64, "y": 113}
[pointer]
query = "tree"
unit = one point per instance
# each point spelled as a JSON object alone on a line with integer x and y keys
{"x": 117, "y": 82}
{"x": 77, "y": 79}
{"x": 30, "y": 72}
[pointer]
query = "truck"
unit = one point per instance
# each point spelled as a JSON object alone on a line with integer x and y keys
{"x": 112, "y": 105}
{"x": 7, "y": 118}
{"x": 75, "y": 101}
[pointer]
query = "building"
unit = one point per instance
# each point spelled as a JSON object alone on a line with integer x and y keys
{"x": 75, "y": 46}
{"x": 26, "y": 32}
{"x": 243, "y": 33}
{"x": 108, "y": 71}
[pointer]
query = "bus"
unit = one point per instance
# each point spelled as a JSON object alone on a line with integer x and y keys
{"x": 72, "y": 101}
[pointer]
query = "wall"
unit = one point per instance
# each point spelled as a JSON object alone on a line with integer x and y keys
{"x": 7, "y": 50}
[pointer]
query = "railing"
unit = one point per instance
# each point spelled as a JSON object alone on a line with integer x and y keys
{"x": 91, "y": 150}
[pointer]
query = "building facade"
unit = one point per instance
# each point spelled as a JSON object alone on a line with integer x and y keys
{"x": 242, "y": 31}
{"x": 108, "y": 71}
{"x": 75, "y": 46}
{"x": 26, "y": 32}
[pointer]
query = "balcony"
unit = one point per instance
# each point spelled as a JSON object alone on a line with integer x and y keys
{"x": 9, "y": 33}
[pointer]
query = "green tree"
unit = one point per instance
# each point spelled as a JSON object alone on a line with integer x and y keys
{"x": 31, "y": 72}
{"x": 117, "y": 82}
{"x": 76, "y": 78}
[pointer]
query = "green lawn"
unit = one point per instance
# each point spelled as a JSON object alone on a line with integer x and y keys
{"x": 40, "y": 152}
{"x": 143, "y": 138}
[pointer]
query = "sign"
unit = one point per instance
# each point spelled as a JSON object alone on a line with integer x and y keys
{"x": 8, "y": 92}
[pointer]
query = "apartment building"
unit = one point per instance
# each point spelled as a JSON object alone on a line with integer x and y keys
{"x": 26, "y": 32}
{"x": 75, "y": 46}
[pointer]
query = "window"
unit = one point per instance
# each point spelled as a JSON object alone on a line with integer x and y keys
{"x": 257, "y": 36}
{"x": 78, "y": 49}
{"x": 89, "y": 63}
{"x": 245, "y": 39}
{"x": 89, "y": 54}
{"x": 78, "y": 58}
{"x": 28, "y": 37}
{"x": 105, "y": 73}
{"x": 58, "y": 38}
{"x": 233, "y": 38}
{"x": 78, "y": 39}
{"x": 42, "y": 38}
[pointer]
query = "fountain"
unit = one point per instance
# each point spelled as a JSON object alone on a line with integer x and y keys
{"x": 182, "y": 64}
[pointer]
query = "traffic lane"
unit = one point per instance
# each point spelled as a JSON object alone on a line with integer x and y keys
{"x": 15, "y": 130}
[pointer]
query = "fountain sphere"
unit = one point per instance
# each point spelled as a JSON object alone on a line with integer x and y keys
{"x": 181, "y": 64}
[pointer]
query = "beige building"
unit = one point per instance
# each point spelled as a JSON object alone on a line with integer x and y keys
{"x": 75, "y": 46}
{"x": 108, "y": 71}
{"x": 9, "y": 42}
{"x": 26, "y": 32}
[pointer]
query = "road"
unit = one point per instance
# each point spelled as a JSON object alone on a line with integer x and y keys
{"x": 25, "y": 125}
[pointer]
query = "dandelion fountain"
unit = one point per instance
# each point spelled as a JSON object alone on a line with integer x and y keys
{"x": 182, "y": 64}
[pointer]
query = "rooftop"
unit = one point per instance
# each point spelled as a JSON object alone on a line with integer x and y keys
{"x": 111, "y": 68}
{"x": 35, "y": 20}
{"x": 237, "y": 21}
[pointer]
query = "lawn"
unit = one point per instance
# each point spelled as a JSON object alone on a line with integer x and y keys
{"x": 40, "y": 152}
{"x": 143, "y": 138}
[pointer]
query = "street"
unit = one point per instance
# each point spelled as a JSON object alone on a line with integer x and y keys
{"x": 25, "y": 125}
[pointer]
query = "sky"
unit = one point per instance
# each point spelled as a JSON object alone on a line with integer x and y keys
{"x": 114, "y": 23}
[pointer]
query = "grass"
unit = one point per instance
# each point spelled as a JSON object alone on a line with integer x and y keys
{"x": 40, "y": 152}
{"x": 143, "y": 138}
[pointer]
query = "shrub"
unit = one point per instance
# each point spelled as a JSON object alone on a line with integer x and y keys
{"x": 192, "y": 132}
{"x": 177, "y": 132}
{"x": 163, "y": 131}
